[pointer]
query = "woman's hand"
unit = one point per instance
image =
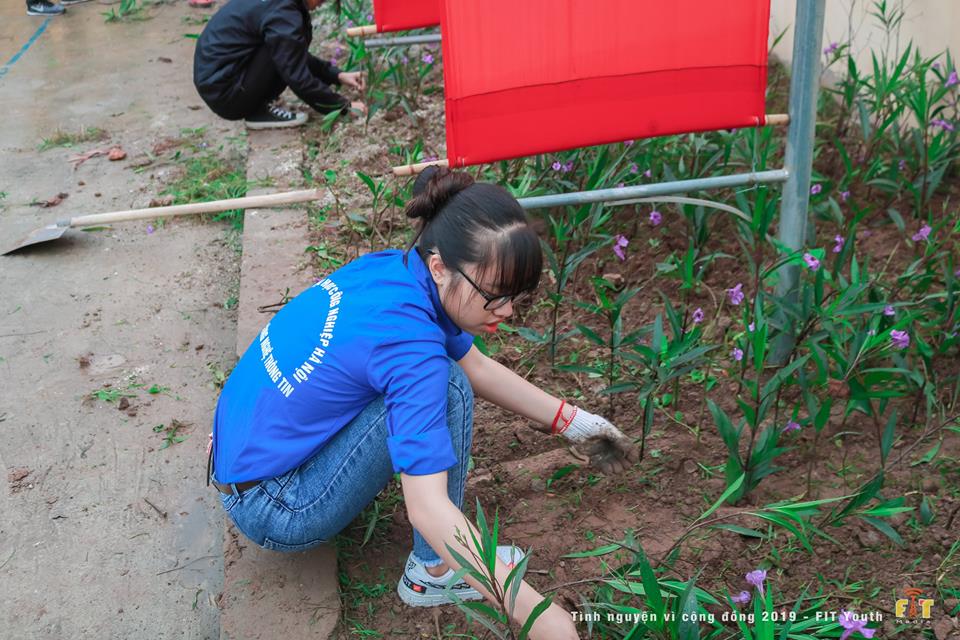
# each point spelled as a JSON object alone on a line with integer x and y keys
{"x": 352, "y": 79}
{"x": 609, "y": 449}
{"x": 358, "y": 108}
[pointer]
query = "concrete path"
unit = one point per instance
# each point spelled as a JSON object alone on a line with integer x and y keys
{"x": 106, "y": 533}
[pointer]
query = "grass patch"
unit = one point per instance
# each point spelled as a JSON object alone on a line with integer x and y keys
{"x": 68, "y": 139}
{"x": 207, "y": 176}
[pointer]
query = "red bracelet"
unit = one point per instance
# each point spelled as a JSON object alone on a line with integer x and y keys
{"x": 566, "y": 423}
{"x": 556, "y": 418}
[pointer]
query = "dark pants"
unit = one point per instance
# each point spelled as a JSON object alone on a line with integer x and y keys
{"x": 260, "y": 85}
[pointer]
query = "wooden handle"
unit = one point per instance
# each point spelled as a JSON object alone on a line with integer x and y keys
{"x": 776, "y": 119}
{"x": 249, "y": 202}
{"x": 362, "y": 30}
{"x": 414, "y": 169}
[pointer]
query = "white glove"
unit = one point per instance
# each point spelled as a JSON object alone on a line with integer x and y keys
{"x": 609, "y": 449}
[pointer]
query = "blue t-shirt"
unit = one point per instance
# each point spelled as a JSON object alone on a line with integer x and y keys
{"x": 375, "y": 327}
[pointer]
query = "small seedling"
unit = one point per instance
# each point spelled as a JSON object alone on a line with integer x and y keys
{"x": 170, "y": 433}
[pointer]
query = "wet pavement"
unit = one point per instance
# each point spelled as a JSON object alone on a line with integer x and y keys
{"x": 105, "y": 532}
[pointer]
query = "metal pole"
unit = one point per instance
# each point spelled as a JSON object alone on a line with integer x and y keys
{"x": 372, "y": 43}
{"x": 804, "y": 85}
{"x": 659, "y": 189}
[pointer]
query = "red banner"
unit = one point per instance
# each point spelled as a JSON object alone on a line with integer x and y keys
{"x": 401, "y": 15}
{"x": 538, "y": 76}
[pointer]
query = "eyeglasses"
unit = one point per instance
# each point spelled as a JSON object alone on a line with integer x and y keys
{"x": 492, "y": 302}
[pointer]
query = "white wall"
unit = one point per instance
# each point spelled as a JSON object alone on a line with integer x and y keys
{"x": 933, "y": 25}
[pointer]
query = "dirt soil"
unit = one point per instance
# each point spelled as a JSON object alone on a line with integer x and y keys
{"x": 110, "y": 341}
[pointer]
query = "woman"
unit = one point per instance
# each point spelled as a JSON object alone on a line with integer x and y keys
{"x": 251, "y": 50}
{"x": 372, "y": 372}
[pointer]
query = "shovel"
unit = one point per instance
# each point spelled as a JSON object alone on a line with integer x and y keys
{"x": 54, "y": 231}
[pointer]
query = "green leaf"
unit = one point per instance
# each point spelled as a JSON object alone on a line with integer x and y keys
{"x": 561, "y": 473}
{"x": 884, "y": 528}
{"x": 599, "y": 551}
{"x": 929, "y": 455}
{"x": 542, "y": 606}
{"x": 734, "y": 486}
{"x": 689, "y": 628}
{"x": 886, "y": 442}
{"x": 743, "y": 531}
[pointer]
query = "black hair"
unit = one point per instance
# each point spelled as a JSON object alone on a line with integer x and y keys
{"x": 479, "y": 223}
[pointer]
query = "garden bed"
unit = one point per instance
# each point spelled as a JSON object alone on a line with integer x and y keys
{"x": 900, "y": 533}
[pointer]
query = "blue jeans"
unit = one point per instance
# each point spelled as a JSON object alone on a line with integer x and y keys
{"x": 309, "y": 505}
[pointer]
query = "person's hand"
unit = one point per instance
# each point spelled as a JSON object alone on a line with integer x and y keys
{"x": 352, "y": 79}
{"x": 358, "y": 108}
{"x": 608, "y": 448}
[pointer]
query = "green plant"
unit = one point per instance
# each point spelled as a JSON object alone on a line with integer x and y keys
{"x": 128, "y": 10}
{"x": 481, "y": 567}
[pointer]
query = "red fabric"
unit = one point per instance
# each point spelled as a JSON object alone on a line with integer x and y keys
{"x": 401, "y": 15}
{"x": 537, "y": 76}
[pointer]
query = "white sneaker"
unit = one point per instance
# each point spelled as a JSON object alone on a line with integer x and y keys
{"x": 418, "y": 588}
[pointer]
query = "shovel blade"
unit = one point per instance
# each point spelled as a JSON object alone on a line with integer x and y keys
{"x": 44, "y": 234}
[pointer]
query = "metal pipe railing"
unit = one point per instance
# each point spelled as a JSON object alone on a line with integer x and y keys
{"x": 430, "y": 38}
{"x": 660, "y": 189}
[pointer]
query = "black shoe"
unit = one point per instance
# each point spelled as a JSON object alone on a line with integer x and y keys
{"x": 44, "y": 8}
{"x": 274, "y": 117}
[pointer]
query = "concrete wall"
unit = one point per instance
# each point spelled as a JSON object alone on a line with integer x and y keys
{"x": 934, "y": 25}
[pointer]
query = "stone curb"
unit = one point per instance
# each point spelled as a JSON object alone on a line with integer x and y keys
{"x": 269, "y": 594}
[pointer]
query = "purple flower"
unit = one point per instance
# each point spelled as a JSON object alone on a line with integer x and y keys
{"x": 943, "y": 124}
{"x": 831, "y": 49}
{"x": 568, "y": 167}
{"x": 628, "y": 143}
{"x": 621, "y": 185}
{"x": 736, "y": 294}
{"x": 737, "y": 354}
{"x": 866, "y": 233}
{"x": 844, "y": 195}
{"x": 889, "y": 310}
{"x": 851, "y": 625}
{"x": 811, "y": 261}
{"x": 840, "y": 241}
{"x": 634, "y": 168}
{"x": 952, "y": 79}
{"x": 899, "y": 339}
{"x": 741, "y": 598}
{"x": 647, "y": 173}
{"x": 619, "y": 245}
{"x": 756, "y": 579}
{"x": 655, "y": 217}
{"x": 369, "y": 18}
{"x": 791, "y": 426}
{"x": 557, "y": 166}
{"x": 956, "y": 274}
{"x": 698, "y": 315}
{"x": 936, "y": 65}
{"x": 427, "y": 58}
{"x": 149, "y": 229}
{"x": 922, "y": 234}
{"x": 902, "y": 165}
{"x": 751, "y": 327}
{"x": 815, "y": 189}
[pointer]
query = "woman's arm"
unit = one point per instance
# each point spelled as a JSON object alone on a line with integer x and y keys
{"x": 609, "y": 450}
{"x": 494, "y": 382}
{"x": 438, "y": 520}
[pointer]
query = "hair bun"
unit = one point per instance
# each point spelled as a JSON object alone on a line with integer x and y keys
{"x": 433, "y": 189}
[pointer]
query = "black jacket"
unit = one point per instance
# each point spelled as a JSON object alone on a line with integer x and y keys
{"x": 239, "y": 28}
